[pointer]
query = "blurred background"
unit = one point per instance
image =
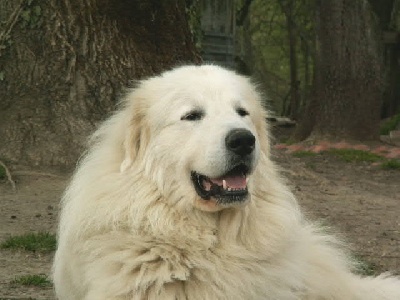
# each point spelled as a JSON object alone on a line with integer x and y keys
{"x": 330, "y": 69}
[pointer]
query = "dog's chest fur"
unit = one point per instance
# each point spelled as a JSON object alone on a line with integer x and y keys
{"x": 206, "y": 264}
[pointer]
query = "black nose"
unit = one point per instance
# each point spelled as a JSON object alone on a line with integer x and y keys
{"x": 240, "y": 141}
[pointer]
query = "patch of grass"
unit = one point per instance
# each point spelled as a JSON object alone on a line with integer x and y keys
{"x": 41, "y": 241}
{"x": 391, "y": 164}
{"x": 353, "y": 155}
{"x": 304, "y": 153}
{"x": 289, "y": 141}
{"x": 390, "y": 125}
{"x": 32, "y": 280}
{"x": 364, "y": 267}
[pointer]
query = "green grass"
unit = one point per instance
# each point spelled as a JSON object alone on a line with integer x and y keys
{"x": 364, "y": 267}
{"x": 304, "y": 154}
{"x": 289, "y": 141}
{"x": 391, "y": 164}
{"x": 352, "y": 155}
{"x": 42, "y": 241}
{"x": 390, "y": 125}
{"x": 32, "y": 280}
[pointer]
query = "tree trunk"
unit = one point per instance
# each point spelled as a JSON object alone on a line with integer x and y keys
{"x": 65, "y": 62}
{"x": 348, "y": 78}
{"x": 307, "y": 75}
{"x": 387, "y": 11}
{"x": 294, "y": 80}
{"x": 308, "y": 119}
{"x": 244, "y": 59}
{"x": 391, "y": 104}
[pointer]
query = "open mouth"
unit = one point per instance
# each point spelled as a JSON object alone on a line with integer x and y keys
{"x": 231, "y": 187}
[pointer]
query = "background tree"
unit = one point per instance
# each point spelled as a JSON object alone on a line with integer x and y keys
{"x": 64, "y": 63}
{"x": 388, "y": 14}
{"x": 348, "y": 72}
{"x": 282, "y": 55}
{"x": 373, "y": 38}
{"x": 288, "y": 9}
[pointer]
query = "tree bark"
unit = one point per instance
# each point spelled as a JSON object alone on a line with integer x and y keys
{"x": 245, "y": 59}
{"x": 287, "y": 9}
{"x": 64, "y": 65}
{"x": 348, "y": 76}
{"x": 387, "y": 11}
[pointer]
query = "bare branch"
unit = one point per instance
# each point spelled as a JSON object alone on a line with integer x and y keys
{"x": 243, "y": 12}
{"x": 10, "y": 24}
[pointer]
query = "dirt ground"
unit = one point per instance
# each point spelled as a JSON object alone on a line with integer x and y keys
{"x": 360, "y": 201}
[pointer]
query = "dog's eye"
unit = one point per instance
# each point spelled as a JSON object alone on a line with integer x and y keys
{"x": 195, "y": 115}
{"x": 242, "y": 112}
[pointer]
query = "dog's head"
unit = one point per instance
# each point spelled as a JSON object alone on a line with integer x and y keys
{"x": 197, "y": 132}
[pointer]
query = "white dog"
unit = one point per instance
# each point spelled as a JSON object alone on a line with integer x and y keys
{"x": 177, "y": 198}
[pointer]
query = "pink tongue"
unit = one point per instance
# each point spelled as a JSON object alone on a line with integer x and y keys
{"x": 236, "y": 182}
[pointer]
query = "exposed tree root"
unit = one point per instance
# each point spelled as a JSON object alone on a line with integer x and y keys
{"x": 8, "y": 174}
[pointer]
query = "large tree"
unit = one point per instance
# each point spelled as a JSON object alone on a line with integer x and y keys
{"x": 388, "y": 14}
{"x": 288, "y": 8}
{"x": 348, "y": 81}
{"x": 64, "y": 63}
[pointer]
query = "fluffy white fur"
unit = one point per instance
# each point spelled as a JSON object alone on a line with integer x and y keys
{"x": 133, "y": 227}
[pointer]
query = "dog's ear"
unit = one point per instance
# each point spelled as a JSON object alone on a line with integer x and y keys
{"x": 135, "y": 139}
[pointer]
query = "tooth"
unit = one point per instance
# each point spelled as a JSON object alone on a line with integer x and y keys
{"x": 224, "y": 184}
{"x": 247, "y": 180}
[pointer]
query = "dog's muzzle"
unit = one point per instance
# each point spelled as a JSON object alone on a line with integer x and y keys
{"x": 231, "y": 186}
